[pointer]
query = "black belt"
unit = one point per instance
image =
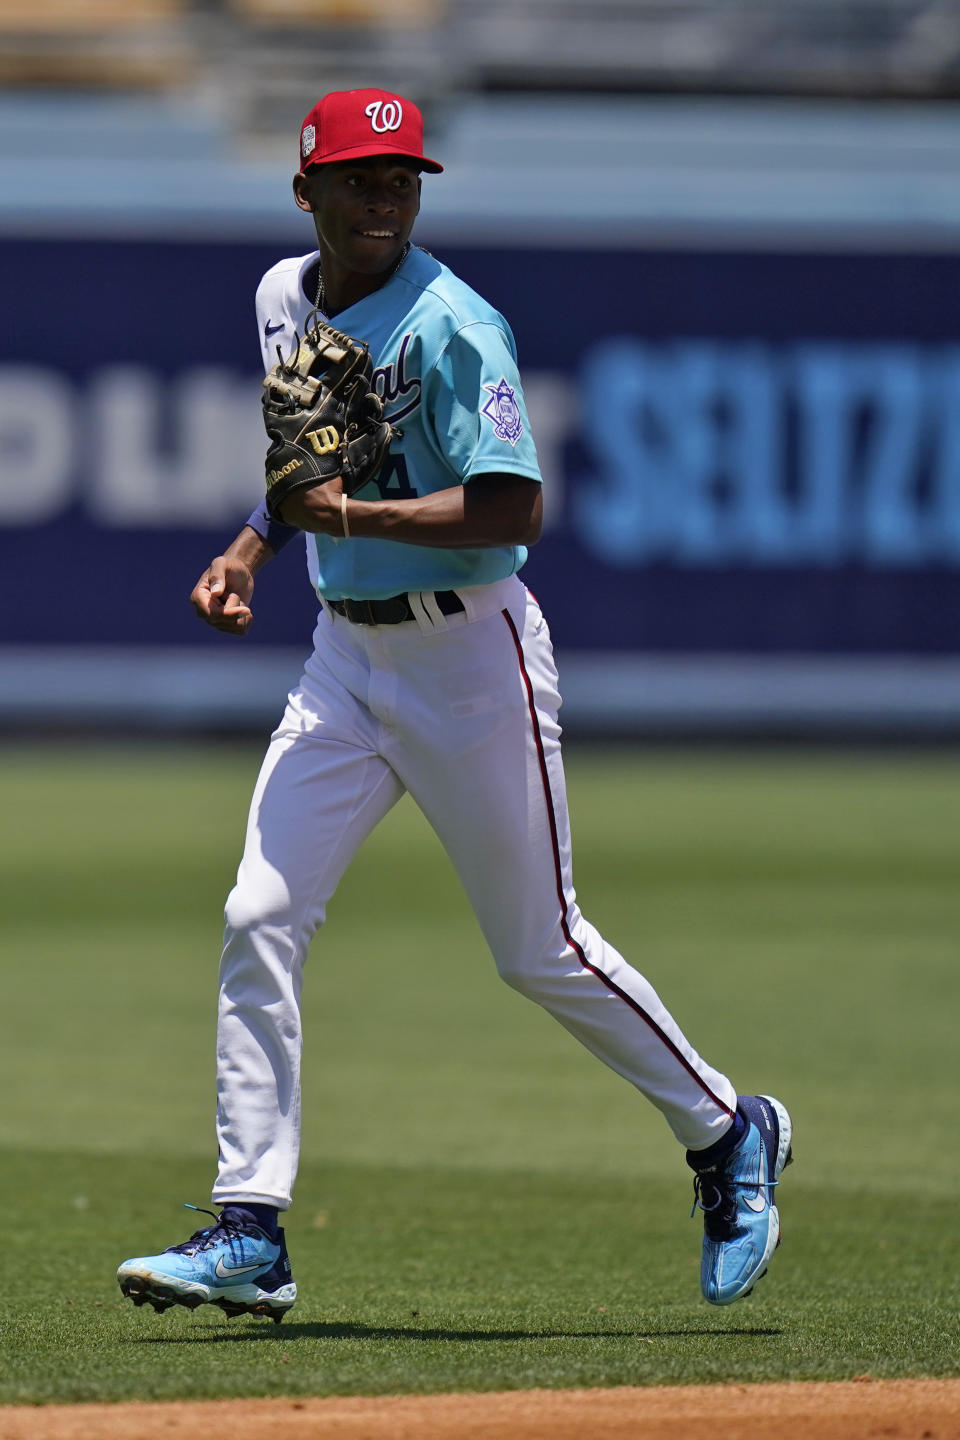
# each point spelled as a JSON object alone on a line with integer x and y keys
{"x": 394, "y": 610}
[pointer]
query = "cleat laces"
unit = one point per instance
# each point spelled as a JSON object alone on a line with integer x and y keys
{"x": 720, "y": 1210}
{"x": 225, "y": 1231}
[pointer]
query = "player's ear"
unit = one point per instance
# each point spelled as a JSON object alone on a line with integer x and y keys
{"x": 301, "y": 191}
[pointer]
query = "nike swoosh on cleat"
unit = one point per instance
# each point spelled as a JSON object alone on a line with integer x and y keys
{"x": 269, "y": 329}
{"x": 757, "y": 1203}
{"x": 224, "y": 1272}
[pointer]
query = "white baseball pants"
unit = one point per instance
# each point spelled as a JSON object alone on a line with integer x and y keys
{"x": 461, "y": 711}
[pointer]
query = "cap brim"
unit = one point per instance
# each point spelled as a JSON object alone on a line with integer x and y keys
{"x": 369, "y": 151}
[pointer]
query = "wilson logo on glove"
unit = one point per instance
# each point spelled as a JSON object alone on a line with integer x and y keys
{"x": 325, "y": 440}
{"x": 274, "y": 475}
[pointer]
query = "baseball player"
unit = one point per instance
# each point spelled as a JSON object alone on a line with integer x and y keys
{"x": 432, "y": 672}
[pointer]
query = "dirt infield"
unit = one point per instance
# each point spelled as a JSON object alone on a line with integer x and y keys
{"x": 846, "y": 1410}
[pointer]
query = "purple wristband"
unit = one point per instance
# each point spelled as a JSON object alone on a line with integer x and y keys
{"x": 274, "y": 532}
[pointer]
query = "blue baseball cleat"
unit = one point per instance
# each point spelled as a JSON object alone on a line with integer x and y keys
{"x": 741, "y": 1223}
{"x": 233, "y": 1264}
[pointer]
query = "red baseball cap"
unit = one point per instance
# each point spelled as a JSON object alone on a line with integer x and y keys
{"x": 354, "y": 124}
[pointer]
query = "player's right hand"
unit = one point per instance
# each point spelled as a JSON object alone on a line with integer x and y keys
{"x": 222, "y": 595}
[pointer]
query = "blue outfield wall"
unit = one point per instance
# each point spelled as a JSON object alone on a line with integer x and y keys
{"x": 744, "y": 452}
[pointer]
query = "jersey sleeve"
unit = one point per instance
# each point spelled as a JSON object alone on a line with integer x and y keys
{"x": 475, "y": 405}
{"x": 279, "y": 289}
{"x": 261, "y": 304}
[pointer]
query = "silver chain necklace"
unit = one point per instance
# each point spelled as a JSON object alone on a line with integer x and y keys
{"x": 321, "y": 301}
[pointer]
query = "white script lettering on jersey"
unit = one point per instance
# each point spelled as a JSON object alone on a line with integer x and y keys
{"x": 384, "y": 115}
{"x": 391, "y": 382}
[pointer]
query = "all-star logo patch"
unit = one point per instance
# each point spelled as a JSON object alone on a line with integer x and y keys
{"x": 503, "y": 412}
{"x": 308, "y": 140}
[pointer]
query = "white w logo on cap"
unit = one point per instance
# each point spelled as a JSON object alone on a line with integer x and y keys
{"x": 385, "y": 115}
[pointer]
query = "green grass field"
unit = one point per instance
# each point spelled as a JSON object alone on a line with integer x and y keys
{"x": 481, "y": 1205}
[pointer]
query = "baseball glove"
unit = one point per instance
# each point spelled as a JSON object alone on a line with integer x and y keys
{"x": 322, "y": 416}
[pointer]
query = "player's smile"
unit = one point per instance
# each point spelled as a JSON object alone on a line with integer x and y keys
{"x": 381, "y": 237}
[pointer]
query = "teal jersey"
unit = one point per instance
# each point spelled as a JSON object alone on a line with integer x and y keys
{"x": 445, "y": 366}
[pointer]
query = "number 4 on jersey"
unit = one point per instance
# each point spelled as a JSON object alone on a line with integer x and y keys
{"x": 393, "y": 481}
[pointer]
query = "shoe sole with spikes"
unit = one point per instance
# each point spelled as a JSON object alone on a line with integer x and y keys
{"x": 241, "y": 1300}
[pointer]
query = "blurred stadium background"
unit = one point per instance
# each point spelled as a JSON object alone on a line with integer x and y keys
{"x": 727, "y": 236}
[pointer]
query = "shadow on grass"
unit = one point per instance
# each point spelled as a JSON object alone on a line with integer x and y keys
{"x": 329, "y": 1331}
